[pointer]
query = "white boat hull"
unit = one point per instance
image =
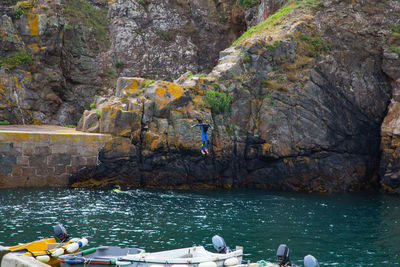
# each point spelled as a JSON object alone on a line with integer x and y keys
{"x": 184, "y": 257}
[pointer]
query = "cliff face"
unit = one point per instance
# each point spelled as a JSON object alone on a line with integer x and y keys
{"x": 49, "y": 70}
{"x": 299, "y": 102}
{"x": 309, "y": 90}
{"x": 57, "y": 55}
{"x": 163, "y": 39}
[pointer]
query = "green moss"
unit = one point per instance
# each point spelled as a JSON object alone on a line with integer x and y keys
{"x": 315, "y": 44}
{"x": 98, "y": 111}
{"x": 277, "y": 17}
{"x": 18, "y": 12}
{"x": 146, "y": 83}
{"x": 81, "y": 11}
{"x": 274, "y": 45}
{"x": 119, "y": 64}
{"x": 70, "y": 126}
{"x": 20, "y": 58}
{"x": 5, "y": 122}
{"x": 110, "y": 73}
{"x": 93, "y": 104}
{"x": 201, "y": 75}
{"x": 249, "y": 3}
{"x": 270, "y": 21}
{"x": 68, "y": 27}
{"x": 246, "y": 57}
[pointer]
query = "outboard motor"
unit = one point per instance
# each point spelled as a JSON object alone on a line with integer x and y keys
{"x": 60, "y": 233}
{"x": 282, "y": 254}
{"x": 310, "y": 261}
{"x": 219, "y": 244}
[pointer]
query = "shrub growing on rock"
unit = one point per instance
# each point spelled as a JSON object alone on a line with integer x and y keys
{"x": 219, "y": 102}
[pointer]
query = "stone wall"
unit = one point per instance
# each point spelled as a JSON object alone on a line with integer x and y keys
{"x": 45, "y": 157}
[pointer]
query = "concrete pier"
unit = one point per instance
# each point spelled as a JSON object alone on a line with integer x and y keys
{"x": 19, "y": 260}
{"x": 35, "y": 156}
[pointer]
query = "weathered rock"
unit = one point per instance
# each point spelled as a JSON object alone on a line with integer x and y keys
{"x": 309, "y": 96}
{"x": 163, "y": 39}
{"x": 261, "y": 12}
{"x": 58, "y": 71}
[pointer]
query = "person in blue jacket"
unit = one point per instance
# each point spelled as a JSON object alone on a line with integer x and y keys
{"x": 204, "y": 135}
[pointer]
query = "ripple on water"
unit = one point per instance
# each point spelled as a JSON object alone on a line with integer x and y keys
{"x": 357, "y": 230}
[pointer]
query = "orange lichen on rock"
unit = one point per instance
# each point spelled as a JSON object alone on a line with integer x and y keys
{"x": 33, "y": 22}
{"x": 34, "y": 47}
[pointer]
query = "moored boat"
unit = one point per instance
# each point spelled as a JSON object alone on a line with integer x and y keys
{"x": 98, "y": 257}
{"x": 48, "y": 250}
{"x": 196, "y": 256}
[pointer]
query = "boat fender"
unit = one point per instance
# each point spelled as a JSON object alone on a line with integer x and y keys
{"x": 88, "y": 251}
{"x": 208, "y": 264}
{"x": 77, "y": 261}
{"x": 43, "y": 258}
{"x": 83, "y": 242}
{"x": 72, "y": 247}
{"x": 262, "y": 263}
{"x": 122, "y": 263}
{"x": 310, "y": 261}
{"x": 57, "y": 252}
{"x": 231, "y": 261}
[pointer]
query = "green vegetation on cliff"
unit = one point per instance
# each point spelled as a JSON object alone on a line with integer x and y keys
{"x": 81, "y": 11}
{"x": 219, "y": 102}
{"x": 277, "y": 18}
{"x": 20, "y": 58}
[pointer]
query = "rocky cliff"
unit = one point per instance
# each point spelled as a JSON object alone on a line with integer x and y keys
{"x": 55, "y": 56}
{"x": 309, "y": 87}
{"x": 299, "y": 102}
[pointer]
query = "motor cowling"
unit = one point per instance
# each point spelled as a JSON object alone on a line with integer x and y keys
{"x": 61, "y": 233}
{"x": 219, "y": 244}
{"x": 310, "y": 261}
{"x": 282, "y": 254}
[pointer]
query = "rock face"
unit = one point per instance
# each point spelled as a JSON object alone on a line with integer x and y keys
{"x": 389, "y": 164}
{"x": 57, "y": 55}
{"x": 261, "y": 12}
{"x": 49, "y": 70}
{"x": 164, "y": 39}
{"x": 309, "y": 96}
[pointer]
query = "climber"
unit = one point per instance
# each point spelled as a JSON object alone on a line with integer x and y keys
{"x": 204, "y": 136}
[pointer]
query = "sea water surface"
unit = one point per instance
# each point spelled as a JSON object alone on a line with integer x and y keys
{"x": 340, "y": 230}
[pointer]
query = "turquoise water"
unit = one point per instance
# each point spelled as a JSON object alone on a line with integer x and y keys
{"x": 341, "y": 230}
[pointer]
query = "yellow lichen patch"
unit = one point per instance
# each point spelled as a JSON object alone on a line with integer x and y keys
{"x": 132, "y": 87}
{"x": 34, "y": 47}
{"x": 26, "y": 4}
{"x": 33, "y": 22}
{"x": 267, "y": 148}
{"x": 152, "y": 141}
